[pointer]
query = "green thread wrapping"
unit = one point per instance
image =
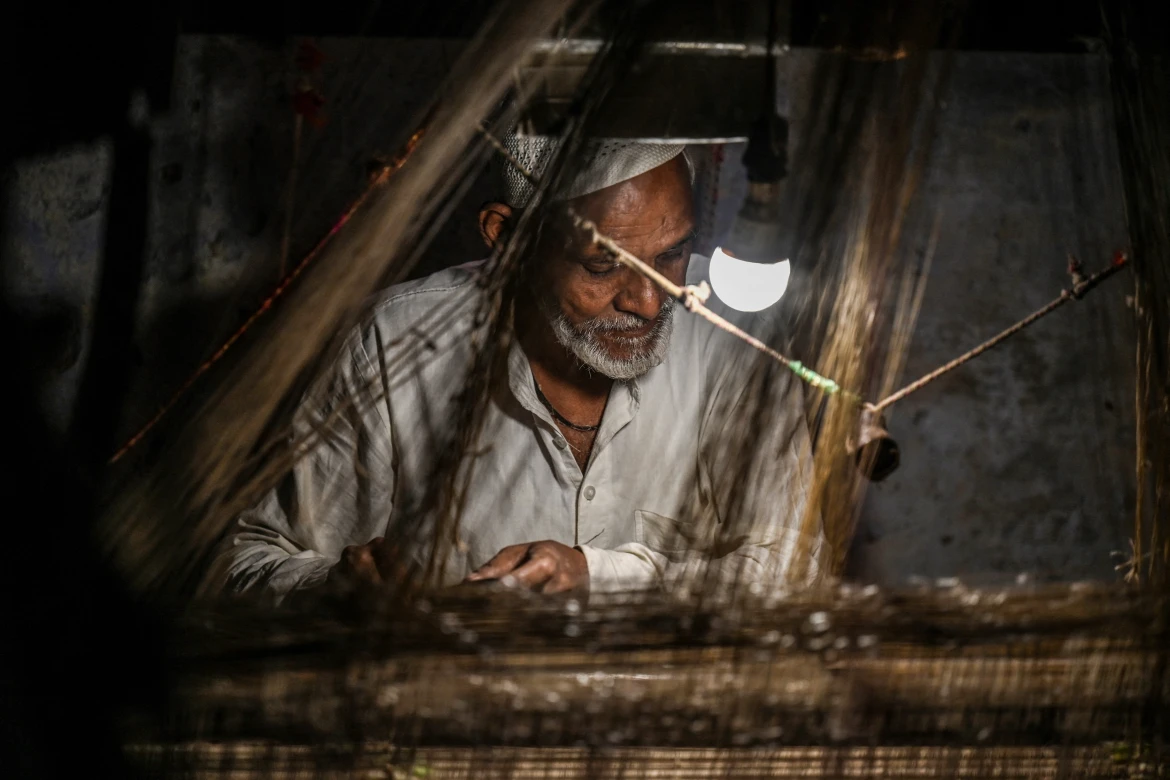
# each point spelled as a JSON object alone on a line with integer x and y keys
{"x": 818, "y": 381}
{"x": 813, "y": 378}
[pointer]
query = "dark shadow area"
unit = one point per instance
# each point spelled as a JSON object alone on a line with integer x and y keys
{"x": 77, "y": 649}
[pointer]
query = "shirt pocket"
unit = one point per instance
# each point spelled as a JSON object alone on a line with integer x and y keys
{"x": 662, "y": 534}
{"x": 676, "y": 539}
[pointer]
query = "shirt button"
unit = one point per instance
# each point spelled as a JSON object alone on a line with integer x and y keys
{"x": 590, "y": 493}
{"x": 559, "y": 442}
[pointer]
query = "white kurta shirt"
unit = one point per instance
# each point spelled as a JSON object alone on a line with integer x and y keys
{"x": 665, "y": 480}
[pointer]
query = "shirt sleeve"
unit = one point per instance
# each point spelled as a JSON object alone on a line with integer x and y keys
{"x": 629, "y": 567}
{"x": 338, "y": 492}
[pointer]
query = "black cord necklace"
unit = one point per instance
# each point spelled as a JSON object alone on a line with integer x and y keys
{"x": 560, "y": 417}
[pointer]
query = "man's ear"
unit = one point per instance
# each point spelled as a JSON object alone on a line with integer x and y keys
{"x": 494, "y": 221}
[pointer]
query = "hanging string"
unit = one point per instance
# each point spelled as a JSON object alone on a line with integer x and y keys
{"x": 290, "y": 190}
{"x": 1081, "y": 285}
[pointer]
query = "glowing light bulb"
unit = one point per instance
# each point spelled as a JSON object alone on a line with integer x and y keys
{"x": 747, "y": 286}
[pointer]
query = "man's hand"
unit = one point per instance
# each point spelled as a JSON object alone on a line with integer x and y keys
{"x": 376, "y": 564}
{"x": 544, "y": 567}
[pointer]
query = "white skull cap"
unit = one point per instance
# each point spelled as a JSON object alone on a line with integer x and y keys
{"x": 608, "y": 161}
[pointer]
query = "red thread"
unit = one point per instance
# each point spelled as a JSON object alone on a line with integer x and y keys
{"x": 309, "y": 57}
{"x": 308, "y": 102}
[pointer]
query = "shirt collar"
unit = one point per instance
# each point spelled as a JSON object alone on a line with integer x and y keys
{"x": 521, "y": 383}
{"x": 623, "y": 404}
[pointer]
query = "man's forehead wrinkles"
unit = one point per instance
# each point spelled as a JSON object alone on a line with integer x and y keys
{"x": 631, "y": 231}
{"x": 643, "y": 224}
{"x": 668, "y": 234}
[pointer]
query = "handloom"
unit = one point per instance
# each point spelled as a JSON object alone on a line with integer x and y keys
{"x": 940, "y": 680}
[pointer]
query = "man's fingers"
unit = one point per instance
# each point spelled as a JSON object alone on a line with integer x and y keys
{"x": 539, "y": 569}
{"x": 359, "y": 559}
{"x": 544, "y": 567}
{"x": 357, "y": 565}
{"x": 387, "y": 559}
{"x": 503, "y": 562}
{"x": 558, "y": 584}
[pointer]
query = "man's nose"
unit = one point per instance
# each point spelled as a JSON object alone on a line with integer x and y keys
{"x": 639, "y": 296}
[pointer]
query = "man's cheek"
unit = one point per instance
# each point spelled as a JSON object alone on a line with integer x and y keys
{"x": 587, "y": 300}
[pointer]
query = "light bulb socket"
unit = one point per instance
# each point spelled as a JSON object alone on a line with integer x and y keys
{"x": 766, "y": 155}
{"x": 756, "y": 235}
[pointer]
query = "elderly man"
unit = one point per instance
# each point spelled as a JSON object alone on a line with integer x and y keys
{"x": 604, "y": 463}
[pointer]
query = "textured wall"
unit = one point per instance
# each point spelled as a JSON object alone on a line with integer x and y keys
{"x": 1020, "y": 461}
{"x": 53, "y": 225}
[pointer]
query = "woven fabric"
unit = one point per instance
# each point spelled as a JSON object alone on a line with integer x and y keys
{"x": 607, "y": 161}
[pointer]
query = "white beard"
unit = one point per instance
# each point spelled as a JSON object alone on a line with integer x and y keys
{"x": 582, "y": 340}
